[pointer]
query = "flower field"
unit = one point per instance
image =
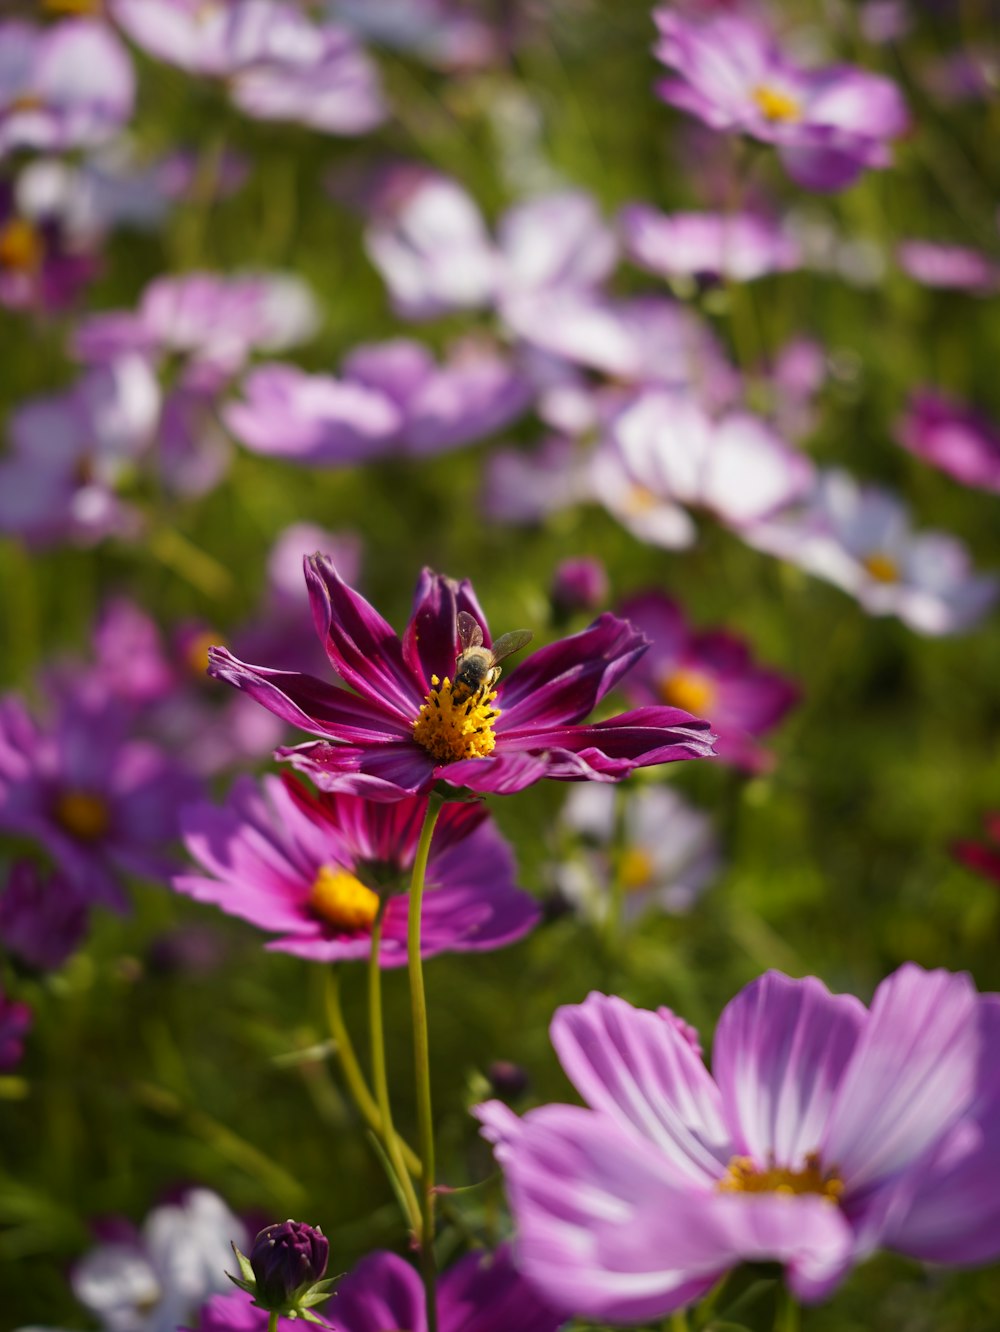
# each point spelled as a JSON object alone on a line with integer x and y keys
{"x": 499, "y": 784}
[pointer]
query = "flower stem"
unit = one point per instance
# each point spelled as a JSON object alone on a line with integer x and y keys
{"x": 787, "y": 1313}
{"x": 421, "y": 1057}
{"x": 389, "y": 1138}
{"x": 272, "y": 1321}
{"x": 351, "y": 1068}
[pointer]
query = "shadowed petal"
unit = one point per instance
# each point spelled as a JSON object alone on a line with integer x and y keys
{"x": 382, "y": 1291}
{"x": 430, "y": 643}
{"x": 387, "y": 773}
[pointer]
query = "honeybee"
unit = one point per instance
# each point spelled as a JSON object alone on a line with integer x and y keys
{"x": 478, "y": 667}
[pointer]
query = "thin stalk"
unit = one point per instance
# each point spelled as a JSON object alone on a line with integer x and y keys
{"x": 787, "y": 1312}
{"x": 421, "y": 1057}
{"x": 392, "y": 1143}
{"x": 678, "y": 1321}
{"x": 272, "y": 1321}
{"x": 351, "y": 1069}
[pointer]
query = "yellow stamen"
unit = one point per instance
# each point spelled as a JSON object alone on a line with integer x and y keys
{"x": 343, "y": 900}
{"x": 635, "y": 869}
{"x": 690, "y": 690}
{"x": 79, "y": 8}
{"x": 83, "y": 815}
{"x": 196, "y": 651}
{"x": 639, "y": 500}
{"x": 743, "y": 1176}
{"x": 21, "y": 247}
{"x": 450, "y": 729}
{"x": 883, "y": 568}
{"x": 25, "y": 102}
{"x": 777, "y": 105}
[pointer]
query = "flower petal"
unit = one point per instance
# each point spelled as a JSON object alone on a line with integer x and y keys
{"x": 430, "y": 643}
{"x": 779, "y": 1054}
{"x": 382, "y": 1291}
{"x": 636, "y": 1067}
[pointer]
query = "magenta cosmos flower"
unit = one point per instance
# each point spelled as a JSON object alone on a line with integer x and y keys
{"x": 383, "y": 1293}
{"x": 101, "y": 803}
{"x": 406, "y": 722}
{"x": 828, "y": 125}
{"x": 315, "y": 868}
{"x": 953, "y": 436}
{"x": 819, "y": 1139}
{"x": 709, "y": 672}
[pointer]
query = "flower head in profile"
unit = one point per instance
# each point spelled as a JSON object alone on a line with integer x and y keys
{"x": 419, "y": 710}
{"x": 952, "y": 436}
{"x": 316, "y": 870}
{"x": 383, "y": 1293}
{"x": 827, "y": 1131}
{"x": 42, "y": 920}
{"x": 829, "y": 125}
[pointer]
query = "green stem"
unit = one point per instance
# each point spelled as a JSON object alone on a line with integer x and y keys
{"x": 272, "y": 1321}
{"x": 678, "y": 1321}
{"x": 353, "y": 1075}
{"x": 421, "y": 1057}
{"x": 391, "y": 1141}
{"x": 787, "y": 1313}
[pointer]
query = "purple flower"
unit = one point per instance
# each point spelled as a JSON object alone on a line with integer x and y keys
{"x": 579, "y": 585}
{"x": 100, "y": 803}
{"x": 287, "y": 1259}
{"x": 860, "y": 538}
{"x": 952, "y": 436}
{"x": 42, "y": 920}
{"x": 407, "y": 726}
{"x": 479, "y": 1293}
{"x": 15, "y": 1023}
{"x": 70, "y": 453}
{"x": 810, "y": 1146}
{"x": 709, "y": 672}
{"x": 434, "y": 31}
{"x": 664, "y": 451}
{"x": 828, "y": 125}
{"x": 276, "y": 63}
{"x": 315, "y": 869}
{"x": 523, "y": 486}
{"x": 949, "y": 266}
{"x": 40, "y": 267}
{"x": 67, "y": 86}
{"x": 707, "y": 246}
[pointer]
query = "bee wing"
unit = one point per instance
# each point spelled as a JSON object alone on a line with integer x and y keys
{"x": 507, "y": 644}
{"x": 470, "y": 631}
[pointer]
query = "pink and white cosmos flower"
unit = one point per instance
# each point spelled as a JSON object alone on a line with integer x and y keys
{"x": 827, "y": 1131}
{"x": 737, "y": 247}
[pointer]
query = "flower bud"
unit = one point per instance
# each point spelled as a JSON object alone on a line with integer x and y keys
{"x": 287, "y": 1260}
{"x": 578, "y": 585}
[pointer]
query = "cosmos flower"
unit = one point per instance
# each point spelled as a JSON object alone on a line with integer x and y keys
{"x": 667, "y": 856}
{"x": 709, "y": 672}
{"x": 71, "y": 452}
{"x": 860, "y": 537}
{"x": 392, "y": 397}
{"x": 406, "y": 721}
{"x": 67, "y": 86}
{"x": 663, "y": 451}
{"x": 40, "y": 266}
{"x": 156, "y": 1280}
{"x": 314, "y": 870}
{"x": 953, "y": 436}
{"x": 275, "y": 62}
{"x": 383, "y": 1293}
{"x": 829, "y": 125}
{"x": 15, "y": 1023}
{"x": 737, "y": 247}
{"x": 42, "y": 920}
{"x": 953, "y": 267}
{"x": 438, "y": 32}
{"x": 432, "y": 247}
{"x": 809, "y": 1147}
{"x": 100, "y": 803}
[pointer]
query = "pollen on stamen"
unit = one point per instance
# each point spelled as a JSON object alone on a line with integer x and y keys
{"x": 776, "y": 104}
{"x": 343, "y": 900}
{"x": 452, "y": 729}
{"x": 743, "y": 1175}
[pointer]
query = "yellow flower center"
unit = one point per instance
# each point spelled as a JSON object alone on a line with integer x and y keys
{"x": 196, "y": 651}
{"x": 690, "y": 690}
{"x": 635, "y": 869}
{"x": 777, "y": 105}
{"x": 743, "y": 1176}
{"x": 80, "y": 8}
{"x": 639, "y": 500}
{"x": 83, "y": 815}
{"x": 343, "y": 900}
{"x": 883, "y": 568}
{"x": 451, "y": 729}
{"x": 21, "y": 247}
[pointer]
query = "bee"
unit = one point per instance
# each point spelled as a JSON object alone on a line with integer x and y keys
{"x": 478, "y": 667}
